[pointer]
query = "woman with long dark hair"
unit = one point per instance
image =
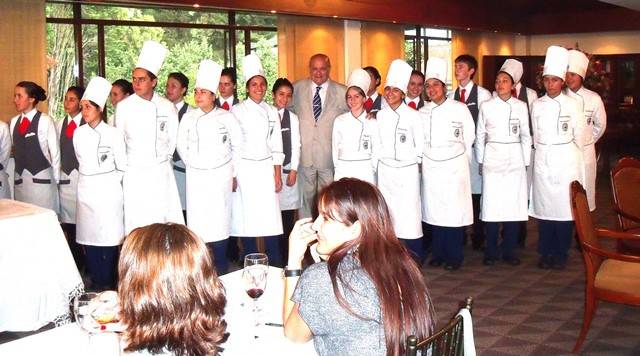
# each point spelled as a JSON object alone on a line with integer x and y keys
{"x": 369, "y": 295}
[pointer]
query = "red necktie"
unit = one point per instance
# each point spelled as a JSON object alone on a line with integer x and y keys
{"x": 513, "y": 93}
{"x": 225, "y": 106}
{"x": 412, "y": 104}
{"x": 462, "y": 97}
{"x": 70, "y": 129}
{"x": 368, "y": 104}
{"x": 24, "y": 126}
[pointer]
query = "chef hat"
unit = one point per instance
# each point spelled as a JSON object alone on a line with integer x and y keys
{"x": 252, "y": 66}
{"x": 512, "y": 67}
{"x": 359, "y": 78}
{"x": 399, "y": 75}
{"x": 578, "y": 63}
{"x": 152, "y": 56}
{"x": 208, "y": 75}
{"x": 556, "y": 62}
{"x": 97, "y": 91}
{"x": 436, "y": 69}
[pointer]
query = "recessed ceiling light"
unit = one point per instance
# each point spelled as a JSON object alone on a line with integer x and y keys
{"x": 196, "y": 5}
{"x": 335, "y": 16}
{"x": 468, "y": 28}
{"x": 394, "y": 22}
{"x": 273, "y": 11}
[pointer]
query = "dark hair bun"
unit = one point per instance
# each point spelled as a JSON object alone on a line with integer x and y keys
{"x": 33, "y": 90}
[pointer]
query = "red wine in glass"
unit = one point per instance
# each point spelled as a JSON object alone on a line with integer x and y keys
{"x": 255, "y": 293}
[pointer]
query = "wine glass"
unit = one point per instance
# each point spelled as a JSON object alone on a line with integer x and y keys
{"x": 96, "y": 314}
{"x": 254, "y": 274}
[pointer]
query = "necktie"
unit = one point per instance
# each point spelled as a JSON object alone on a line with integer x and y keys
{"x": 462, "y": 96}
{"x": 225, "y": 106}
{"x": 317, "y": 104}
{"x": 513, "y": 93}
{"x": 70, "y": 129}
{"x": 412, "y": 104}
{"x": 24, "y": 126}
{"x": 368, "y": 104}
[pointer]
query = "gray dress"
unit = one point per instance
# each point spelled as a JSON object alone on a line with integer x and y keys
{"x": 335, "y": 330}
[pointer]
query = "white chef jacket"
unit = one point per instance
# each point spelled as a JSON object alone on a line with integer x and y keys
{"x": 354, "y": 141}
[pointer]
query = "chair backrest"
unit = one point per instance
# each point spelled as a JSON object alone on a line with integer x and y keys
{"x": 625, "y": 183}
{"x": 585, "y": 228}
{"x": 448, "y": 341}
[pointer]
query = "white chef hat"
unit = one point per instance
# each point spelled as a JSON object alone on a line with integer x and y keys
{"x": 359, "y": 78}
{"x": 97, "y": 91}
{"x": 252, "y": 66}
{"x": 578, "y": 63}
{"x": 556, "y": 62}
{"x": 399, "y": 75}
{"x": 208, "y": 76}
{"x": 512, "y": 67}
{"x": 436, "y": 69}
{"x": 152, "y": 56}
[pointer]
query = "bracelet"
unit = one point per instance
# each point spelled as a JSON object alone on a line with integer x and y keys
{"x": 292, "y": 272}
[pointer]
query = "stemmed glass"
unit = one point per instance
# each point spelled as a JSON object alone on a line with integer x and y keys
{"x": 96, "y": 313}
{"x": 254, "y": 274}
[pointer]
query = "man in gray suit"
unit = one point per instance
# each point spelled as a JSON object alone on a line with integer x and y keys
{"x": 317, "y": 101}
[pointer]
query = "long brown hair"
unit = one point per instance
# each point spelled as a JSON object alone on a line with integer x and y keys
{"x": 170, "y": 295}
{"x": 404, "y": 299}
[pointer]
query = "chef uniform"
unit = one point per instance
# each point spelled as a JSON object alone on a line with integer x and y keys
{"x": 209, "y": 144}
{"x": 503, "y": 147}
{"x": 446, "y": 187}
{"x": 150, "y": 130}
{"x": 557, "y": 134}
{"x": 256, "y": 208}
{"x": 473, "y": 95}
{"x": 595, "y": 118}
{"x": 514, "y": 68}
{"x": 101, "y": 155}
{"x": 37, "y": 159}
{"x": 355, "y": 139}
{"x": 400, "y": 152}
{"x": 5, "y": 153}
{"x": 290, "y": 198}
{"x": 68, "y": 185}
{"x": 178, "y": 165}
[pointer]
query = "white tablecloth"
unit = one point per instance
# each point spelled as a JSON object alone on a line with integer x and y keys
{"x": 70, "y": 340}
{"x": 38, "y": 276}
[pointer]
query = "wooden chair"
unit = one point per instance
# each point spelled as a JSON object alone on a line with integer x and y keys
{"x": 625, "y": 183}
{"x": 610, "y": 276}
{"x": 447, "y": 341}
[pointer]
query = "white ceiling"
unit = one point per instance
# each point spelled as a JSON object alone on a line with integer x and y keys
{"x": 630, "y": 4}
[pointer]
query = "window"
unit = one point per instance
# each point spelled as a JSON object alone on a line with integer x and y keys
{"x": 420, "y": 43}
{"x": 85, "y": 40}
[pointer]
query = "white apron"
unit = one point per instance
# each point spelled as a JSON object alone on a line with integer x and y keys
{"x": 68, "y": 190}
{"x": 290, "y": 197}
{"x": 400, "y": 188}
{"x": 355, "y": 169}
{"x": 5, "y": 192}
{"x": 354, "y": 140}
{"x": 209, "y": 203}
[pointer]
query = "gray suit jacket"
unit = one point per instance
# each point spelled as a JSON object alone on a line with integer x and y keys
{"x": 316, "y": 137}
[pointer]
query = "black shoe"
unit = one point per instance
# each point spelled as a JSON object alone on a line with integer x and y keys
{"x": 488, "y": 261}
{"x": 435, "y": 263}
{"x": 544, "y": 263}
{"x": 512, "y": 261}
{"x": 452, "y": 266}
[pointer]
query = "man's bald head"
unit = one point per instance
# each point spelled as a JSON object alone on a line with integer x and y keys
{"x": 319, "y": 68}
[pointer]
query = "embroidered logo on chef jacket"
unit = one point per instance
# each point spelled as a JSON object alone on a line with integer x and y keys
{"x": 224, "y": 138}
{"x": 563, "y": 123}
{"x": 271, "y": 125}
{"x": 514, "y": 126}
{"x": 104, "y": 152}
{"x": 456, "y": 128}
{"x": 589, "y": 117}
{"x": 366, "y": 142}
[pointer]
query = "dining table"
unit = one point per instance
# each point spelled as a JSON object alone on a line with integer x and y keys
{"x": 245, "y": 337}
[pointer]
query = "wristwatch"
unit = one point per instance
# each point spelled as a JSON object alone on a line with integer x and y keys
{"x": 291, "y": 272}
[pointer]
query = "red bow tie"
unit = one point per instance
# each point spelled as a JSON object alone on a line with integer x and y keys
{"x": 225, "y": 106}
{"x": 24, "y": 126}
{"x": 71, "y": 128}
{"x": 368, "y": 104}
{"x": 412, "y": 104}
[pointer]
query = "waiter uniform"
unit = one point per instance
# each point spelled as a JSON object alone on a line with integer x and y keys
{"x": 226, "y": 103}
{"x": 290, "y": 198}
{"x": 503, "y": 146}
{"x": 37, "y": 160}
{"x": 178, "y": 165}
{"x": 558, "y": 125}
{"x": 595, "y": 118}
{"x": 416, "y": 103}
{"x": 101, "y": 155}
{"x": 5, "y": 153}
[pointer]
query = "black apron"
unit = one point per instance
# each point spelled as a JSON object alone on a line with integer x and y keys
{"x": 285, "y": 125}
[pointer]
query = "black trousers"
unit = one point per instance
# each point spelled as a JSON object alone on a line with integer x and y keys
{"x": 77, "y": 251}
{"x": 478, "y": 236}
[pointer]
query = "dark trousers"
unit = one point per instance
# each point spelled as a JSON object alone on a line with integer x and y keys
{"x": 271, "y": 246}
{"x": 427, "y": 238}
{"x": 510, "y": 231}
{"x": 522, "y": 237}
{"x": 288, "y": 220}
{"x": 416, "y": 249}
{"x": 233, "y": 250}
{"x": 76, "y": 249}
{"x": 555, "y": 239}
{"x": 447, "y": 244}
{"x": 218, "y": 252}
{"x": 477, "y": 239}
{"x": 102, "y": 266}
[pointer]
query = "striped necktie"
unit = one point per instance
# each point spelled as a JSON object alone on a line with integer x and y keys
{"x": 317, "y": 104}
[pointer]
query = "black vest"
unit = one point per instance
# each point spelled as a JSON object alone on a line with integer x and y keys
{"x": 286, "y": 138}
{"x": 181, "y": 112}
{"x": 68, "y": 160}
{"x": 27, "y": 151}
{"x": 472, "y": 102}
{"x": 235, "y": 101}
